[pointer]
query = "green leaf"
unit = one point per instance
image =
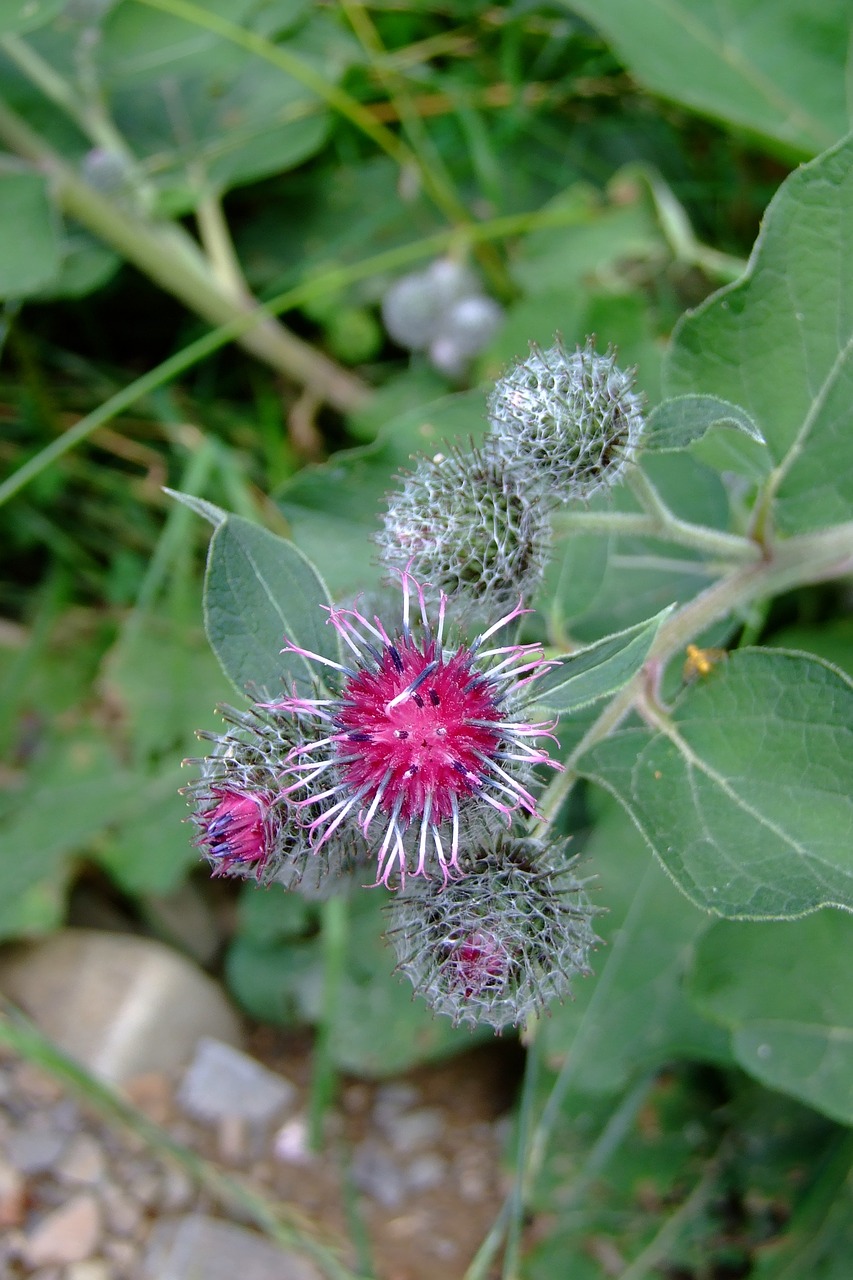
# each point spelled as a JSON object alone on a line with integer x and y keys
{"x": 746, "y": 797}
{"x": 207, "y": 510}
{"x": 30, "y": 244}
{"x": 150, "y": 849}
{"x": 18, "y": 16}
{"x": 632, "y": 1015}
{"x": 776, "y": 70}
{"x": 780, "y": 342}
{"x": 211, "y": 113}
{"x": 784, "y": 991}
{"x": 597, "y": 671}
{"x": 718, "y": 432}
{"x": 259, "y": 589}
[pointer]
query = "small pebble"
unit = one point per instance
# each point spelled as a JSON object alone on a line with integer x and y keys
{"x": 34, "y": 1148}
{"x": 290, "y": 1144}
{"x": 13, "y": 1197}
{"x": 221, "y": 1082}
{"x": 425, "y": 1173}
{"x": 82, "y": 1161}
{"x": 415, "y": 1129}
{"x": 68, "y": 1234}
{"x": 123, "y": 1213}
{"x": 176, "y": 1191}
{"x": 91, "y": 1269}
{"x": 376, "y": 1174}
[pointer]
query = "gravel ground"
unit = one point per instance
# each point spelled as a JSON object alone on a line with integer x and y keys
{"x": 83, "y": 1200}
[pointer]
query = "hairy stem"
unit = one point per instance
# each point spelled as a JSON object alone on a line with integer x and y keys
{"x": 792, "y": 562}
{"x": 175, "y": 262}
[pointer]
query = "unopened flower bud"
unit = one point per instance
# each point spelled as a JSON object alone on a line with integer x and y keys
{"x": 500, "y": 943}
{"x": 566, "y": 424}
{"x": 245, "y": 823}
{"x": 466, "y": 527}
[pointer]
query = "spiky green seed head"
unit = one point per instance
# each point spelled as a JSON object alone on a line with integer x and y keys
{"x": 501, "y": 943}
{"x": 566, "y": 424}
{"x": 462, "y": 524}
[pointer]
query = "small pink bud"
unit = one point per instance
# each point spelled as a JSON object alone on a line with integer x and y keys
{"x": 234, "y": 830}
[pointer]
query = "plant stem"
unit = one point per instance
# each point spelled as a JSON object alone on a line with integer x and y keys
{"x": 520, "y": 1192}
{"x": 326, "y": 282}
{"x": 727, "y": 546}
{"x": 174, "y": 261}
{"x": 792, "y": 562}
{"x": 335, "y": 927}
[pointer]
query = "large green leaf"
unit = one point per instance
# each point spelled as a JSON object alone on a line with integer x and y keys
{"x": 632, "y": 1015}
{"x": 717, "y": 432}
{"x": 29, "y": 243}
{"x": 198, "y": 111}
{"x": 597, "y": 671}
{"x": 775, "y": 69}
{"x": 17, "y": 16}
{"x": 784, "y": 992}
{"x": 258, "y": 590}
{"x": 780, "y": 342}
{"x": 746, "y": 799}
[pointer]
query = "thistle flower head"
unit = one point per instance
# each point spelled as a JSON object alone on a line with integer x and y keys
{"x": 566, "y": 424}
{"x": 423, "y": 742}
{"x": 463, "y": 524}
{"x": 244, "y": 822}
{"x": 502, "y": 942}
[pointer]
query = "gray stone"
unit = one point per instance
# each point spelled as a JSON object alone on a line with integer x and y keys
{"x": 222, "y": 1083}
{"x": 416, "y": 1129}
{"x": 186, "y": 919}
{"x": 195, "y": 1246}
{"x": 425, "y": 1173}
{"x": 121, "y": 1005}
{"x": 376, "y": 1174}
{"x": 82, "y": 1161}
{"x": 35, "y": 1147}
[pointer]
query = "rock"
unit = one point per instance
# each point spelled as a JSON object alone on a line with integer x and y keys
{"x": 13, "y": 1197}
{"x": 425, "y": 1173}
{"x": 376, "y": 1174}
{"x": 186, "y": 919}
{"x": 68, "y": 1234}
{"x": 176, "y": 1190}
{"x": 124, "y": 1214}
{"x": 200, "y": 1246}
{"x": 91, "y": 1269}
{"x": 82, "y": 1161}
{"x": 290, "y": 1144}
{"x": 35, "y": 1147}
{"x": 416, "y": 1129}
{"x": 121, "y": 1005}
{"x": 221, "y": 1083}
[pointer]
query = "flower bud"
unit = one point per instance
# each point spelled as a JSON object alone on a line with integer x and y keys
{"x": 466, "y": 527}
{"x": 566, "y": 424}
{"x": 245, "y": 823}
{"x": 500, "y": 943}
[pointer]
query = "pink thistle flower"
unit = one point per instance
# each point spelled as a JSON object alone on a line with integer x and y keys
{"x": 419, "y": 737}
{"x": 234, "y": 832}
